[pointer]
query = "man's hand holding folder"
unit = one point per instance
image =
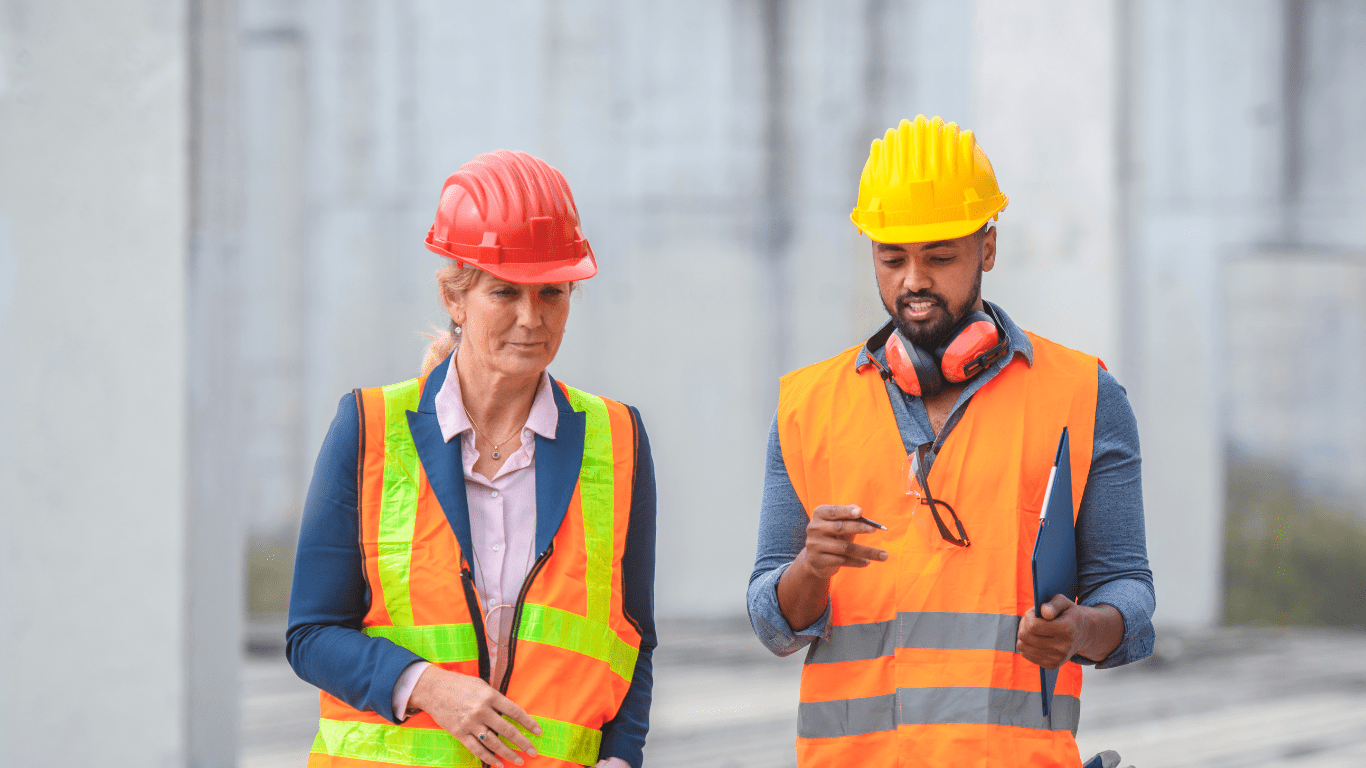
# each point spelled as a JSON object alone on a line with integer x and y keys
{"x": 1060, "y": 629}
{"x": 1067, "y": 629}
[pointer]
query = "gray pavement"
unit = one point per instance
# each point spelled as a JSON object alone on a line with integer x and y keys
{"x": 1232, "y": 698}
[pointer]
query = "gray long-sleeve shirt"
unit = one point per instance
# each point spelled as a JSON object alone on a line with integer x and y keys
{"x": 1112, "y": 555}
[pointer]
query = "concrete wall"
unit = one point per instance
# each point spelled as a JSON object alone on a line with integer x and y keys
{"x": 714, "y": 149}
{"x": 1223, "y": 167}
{"x": 93, "y": 215}
{"x": 1293, "y": 303}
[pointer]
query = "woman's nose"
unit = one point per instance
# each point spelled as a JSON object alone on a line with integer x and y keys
{"x": 529, "y": 312}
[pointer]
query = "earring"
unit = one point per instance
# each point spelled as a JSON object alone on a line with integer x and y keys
{"x": 457, "y": 330}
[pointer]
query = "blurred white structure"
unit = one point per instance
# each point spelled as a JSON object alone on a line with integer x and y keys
{"x": 1295, "y": 395}
{"x": 211, "y": 223}
{"x": 714, "y": 150}
{"x": 94, "y": 224}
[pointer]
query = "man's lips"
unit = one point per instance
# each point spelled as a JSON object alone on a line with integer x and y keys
{"x": 918, "y": 309}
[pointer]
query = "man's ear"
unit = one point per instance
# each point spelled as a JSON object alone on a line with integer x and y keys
{"x": 988, "y": 249}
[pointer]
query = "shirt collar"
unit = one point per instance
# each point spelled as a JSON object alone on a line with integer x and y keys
{"x": 1018, "y": 344}
{"x": 543, "y": 419}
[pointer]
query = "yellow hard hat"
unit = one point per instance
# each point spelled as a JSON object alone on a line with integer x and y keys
{"x": 925, "y": 181}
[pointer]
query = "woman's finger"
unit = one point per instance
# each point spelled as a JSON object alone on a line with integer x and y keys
{"x": 481, "y": 753}
{"x": 510, "y": 733}
{"x": 505, "y": 706}
{"x": 496, "y": 745}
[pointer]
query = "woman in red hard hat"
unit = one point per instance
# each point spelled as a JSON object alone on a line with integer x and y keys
{"x": 474, "y": 581}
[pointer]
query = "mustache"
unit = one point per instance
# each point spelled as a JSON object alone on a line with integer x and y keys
{"x": 908, "y": 297}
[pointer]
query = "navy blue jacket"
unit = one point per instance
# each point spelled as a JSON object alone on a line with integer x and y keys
{"x": 330, "y": 597}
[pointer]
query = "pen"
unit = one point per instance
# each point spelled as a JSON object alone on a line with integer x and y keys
{"x": 875, "y": 524}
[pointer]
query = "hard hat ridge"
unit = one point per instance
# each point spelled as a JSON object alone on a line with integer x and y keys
{"x": 925, "y": 180}
{"x": 513, "y": 215}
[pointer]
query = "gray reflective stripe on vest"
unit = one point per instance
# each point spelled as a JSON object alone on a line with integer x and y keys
{"x": 917, "y": 629}
{"x": 846, "y": 717}
{"x": 935, "y": 706}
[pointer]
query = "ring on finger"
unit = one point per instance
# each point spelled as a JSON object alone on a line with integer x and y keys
{"x": 482, "y": 736}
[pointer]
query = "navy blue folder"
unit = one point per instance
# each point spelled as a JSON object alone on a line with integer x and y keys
{"x": 1055, "y": 551}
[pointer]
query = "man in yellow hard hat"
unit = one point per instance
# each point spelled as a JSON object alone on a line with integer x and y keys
{"x": 923, "y": 644}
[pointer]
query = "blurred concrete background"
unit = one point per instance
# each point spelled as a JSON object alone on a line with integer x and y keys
{"x": 211, "y": 223}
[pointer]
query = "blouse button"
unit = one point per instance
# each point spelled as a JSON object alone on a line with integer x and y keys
{"x": 495, "y": 494}
{"x": 495, "y": 547}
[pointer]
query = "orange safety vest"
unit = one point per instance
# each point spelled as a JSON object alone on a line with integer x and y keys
{"x": 573, "y": 649}
{"x": 921, "y": 666}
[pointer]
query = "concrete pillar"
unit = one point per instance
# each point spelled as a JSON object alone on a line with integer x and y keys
{"x": 218, "y": 467}
{"x": 1044, "y": 89}
{"x": 93, "y": 235}
{"x": 1208, "y": 150}
{"x": 1108, "y": 127}
{"x": 271, "y": 319}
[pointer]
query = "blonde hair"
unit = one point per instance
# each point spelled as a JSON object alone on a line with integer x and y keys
{"x": 452, "y": 280}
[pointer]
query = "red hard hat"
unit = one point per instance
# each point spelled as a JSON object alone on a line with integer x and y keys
{"x": 512, "y": 215}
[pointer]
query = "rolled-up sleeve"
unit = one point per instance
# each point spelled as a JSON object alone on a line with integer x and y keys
{"x": 782, "y": 534}
{"x": 1112, "y": 550}
{"x": 329, "y": 598}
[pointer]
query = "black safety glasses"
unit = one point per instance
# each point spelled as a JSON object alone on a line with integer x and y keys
{"x": 917, "y": 484}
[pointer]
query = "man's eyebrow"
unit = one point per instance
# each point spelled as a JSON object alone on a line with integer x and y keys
{"x": 900, "y": 248}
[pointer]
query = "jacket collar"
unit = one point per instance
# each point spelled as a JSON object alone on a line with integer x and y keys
{"x": 557, "y": 464}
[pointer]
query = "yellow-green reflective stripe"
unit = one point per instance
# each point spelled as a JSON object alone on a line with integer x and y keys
{"x": 596, "y": 494}
{"x": 564, "y": 629}
{"x": 402, "y": 745}
{"x": 398, "y": 505}
{"x": 436, "y": 643}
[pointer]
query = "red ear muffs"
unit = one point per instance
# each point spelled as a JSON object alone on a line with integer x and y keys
{"x": 975, "y": 343}
{"x": 913, "y": 369}
{"x": 969, "y": 347}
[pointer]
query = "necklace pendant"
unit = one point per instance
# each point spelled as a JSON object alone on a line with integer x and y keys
{"x": 495, "y": 454}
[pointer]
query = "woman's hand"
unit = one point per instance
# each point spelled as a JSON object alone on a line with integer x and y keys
{"x": 467, "y": 707}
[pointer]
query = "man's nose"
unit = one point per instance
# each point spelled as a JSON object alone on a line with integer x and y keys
{"x": 917, "y": 277}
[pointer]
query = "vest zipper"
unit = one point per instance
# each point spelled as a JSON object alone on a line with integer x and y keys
{"x": 517, "y": 616}
{"x": 476, "y": 616}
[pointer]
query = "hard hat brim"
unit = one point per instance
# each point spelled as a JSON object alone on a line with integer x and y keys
{"x": 534, "y": 273}
{"x": 924, "y": 233}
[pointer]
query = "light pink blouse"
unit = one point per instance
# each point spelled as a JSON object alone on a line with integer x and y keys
{"x": 502, "y": 517}
{"x": 502, "y": 523}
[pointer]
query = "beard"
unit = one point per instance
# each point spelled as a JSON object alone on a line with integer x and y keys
{"x": 931, "y": 334}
